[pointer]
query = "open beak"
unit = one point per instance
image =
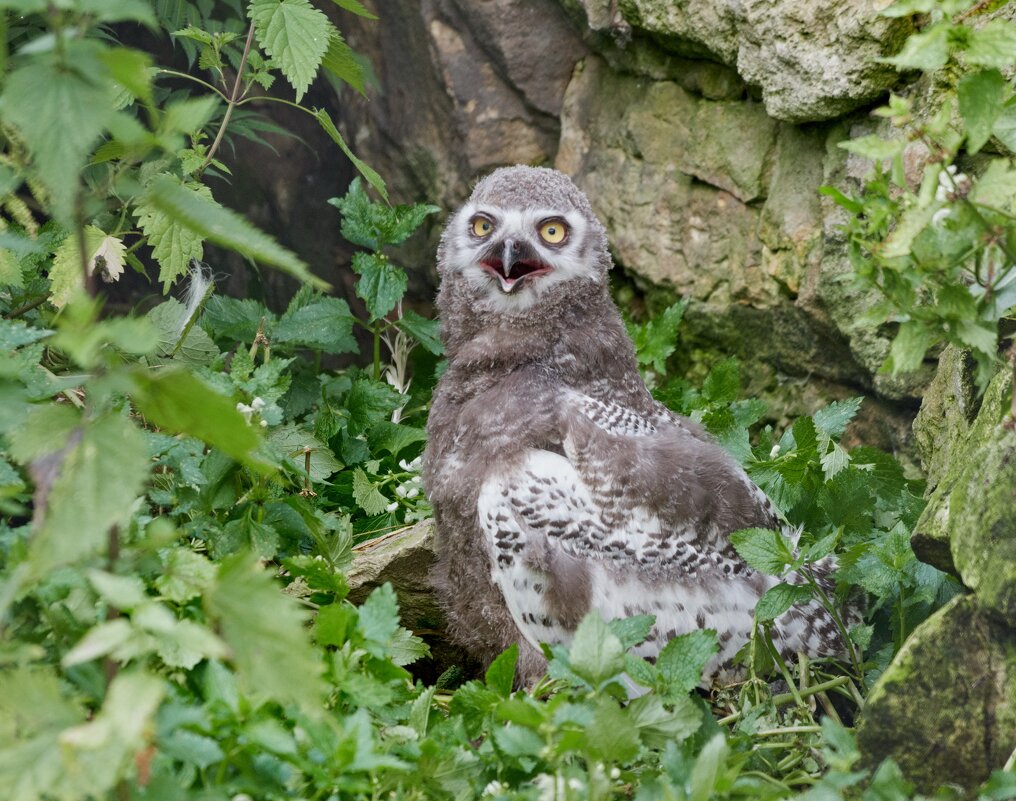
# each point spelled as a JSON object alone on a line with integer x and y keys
{"x": 512, "y": 262}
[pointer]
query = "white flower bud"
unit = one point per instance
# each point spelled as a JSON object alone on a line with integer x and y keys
{"x": 413, "y": 493}
{"x": 264, "y": 424}
{"x": 257, "y": 404}
{"x": 400, "y": 491}
{"x": 392, "y": 506}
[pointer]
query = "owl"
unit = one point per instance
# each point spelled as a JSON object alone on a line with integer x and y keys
{"x": 559, "y": 485}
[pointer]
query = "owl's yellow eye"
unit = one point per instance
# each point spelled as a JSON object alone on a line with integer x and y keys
{"x": 553, "y": 232}
{"x": 481, "y": 226}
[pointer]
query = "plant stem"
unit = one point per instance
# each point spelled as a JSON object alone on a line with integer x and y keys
{"x": 26, "y": 308}
{"x": 377, "y": 351}
{"x": 787, "y": 698}
{"x": 233, "y": 100}
{"x": 205, "y": 84}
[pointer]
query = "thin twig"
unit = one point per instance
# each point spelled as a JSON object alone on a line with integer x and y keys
{"x": 27, "y": 307}
{"x": 205, "y": 84}
{"x": 787, "y": 698}
{"x": 233, "y": 100}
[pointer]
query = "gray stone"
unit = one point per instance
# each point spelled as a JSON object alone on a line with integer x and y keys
{"x": 811, "y": 61}
{"x": 945, "y": 708}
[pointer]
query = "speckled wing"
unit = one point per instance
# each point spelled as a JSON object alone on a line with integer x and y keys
{"x": 631, "y": 518}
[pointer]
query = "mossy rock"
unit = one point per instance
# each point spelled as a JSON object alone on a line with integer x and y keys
{"x": 945, "y": 709}
{"x": 968, "y": 527}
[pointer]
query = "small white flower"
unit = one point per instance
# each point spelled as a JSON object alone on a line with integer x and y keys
{"x": 264, "y": 424}
{"x": 415, "y": 464}
{"x": 243, "y": 408}
{"x": 416, "y": 480}
{"x": 775, "y": 451}
{"x": 257, "y": 404}
{"x": 392, "y": 506}
{"x": 404, "y": 464}
{"x": 413, "y": 493}
{"x": 400, "y": 491}
{"x": 947, "y": 179}
{"x": 494, "y": 788}
{"x": 575, "y": 784}
{"x": 615, "y": 773}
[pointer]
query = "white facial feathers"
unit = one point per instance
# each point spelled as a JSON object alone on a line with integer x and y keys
{"x": 482, "y": 252}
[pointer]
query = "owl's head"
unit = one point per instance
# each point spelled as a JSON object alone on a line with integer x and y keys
{"x": 524, "y": 233}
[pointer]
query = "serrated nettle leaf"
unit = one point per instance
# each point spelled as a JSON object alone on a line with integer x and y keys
{"x": 174, "y": 245}
{"x": 340, "y": 60}
{"x": 980, "y": 96}
{"x": 369, "y": 402}
{"x": 656, "y": 339}
{"x": 381, "y": 284}
{"x": 394, "y": 437}
{"x": 779, "y": 598}
{"x": 426, "y": 332}
{"x": 123, "y": 592}
{"x": 683, "y": 659}
{"x": 832, "y": 420}
{"x": 178, "y": 401}
{"x": 185, "y": 574}
{"x": 992, "y": 45}
{"x": 657, "y": 725}
{"x": 99, "y": 478}
{"x": 295, "y": 34}
{"x": 927, "y": 50}
{"x": 997, "y": 185}
{"x": 60, "y": 113}
{"x": 612, "y": 734}
{"x": 596, "y": 653}
{"x": 46, "y": 430}
{"x": 908, "y": 348}
{"x": 765, "y": 550}
{"x": 910, "y": 225}
{"x": 356, "y": 7}
{"x": 1004, "y": 128}
{"x": 265, "y": 630}
{"x": 632, "y": 631}
{"x": 234, "y": 319}
{"x": 324, "y": 324}
{"x": 378, "y": 618}
{"x": 200, "y": 214}
{"x": 366, "y": 495}
{"x": 67, "y": 277}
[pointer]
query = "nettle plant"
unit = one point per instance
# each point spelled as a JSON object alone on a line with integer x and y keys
{"x": 941, "y": 250}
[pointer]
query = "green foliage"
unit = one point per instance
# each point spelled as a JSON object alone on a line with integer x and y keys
{"x": 941, "y": 250}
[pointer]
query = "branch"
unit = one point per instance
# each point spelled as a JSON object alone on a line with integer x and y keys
{"x": 233, "y": 99}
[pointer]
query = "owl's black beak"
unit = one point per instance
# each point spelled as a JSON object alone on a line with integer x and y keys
{"x": 512, "y": 261}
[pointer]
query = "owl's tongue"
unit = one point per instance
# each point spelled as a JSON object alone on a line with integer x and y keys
{"x": 516, "y": 272}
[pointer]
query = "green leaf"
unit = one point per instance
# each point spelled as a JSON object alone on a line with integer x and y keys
{"x": 174, "y": 244}
{"x": 46, "y": 430}
{"x": 393, "y": 437}
{"x": 874, "y": 147}
{"x": 900, "y": 242}
{"x": 265, "y": 630}
{"x": 374, "y": 225}
{"x": 426, "y": 332}
{"x": 927, "y": 50}
{"x": 292, "y": 441}
{"x": 500, "y": 676}
{"x": 185, "y": 575}
{"x": 779, "y": 598}
{"x": 169, "y": 319}
{"x": 381, "y": 283}
{"x": 178, "y": 401}
{"x": 233, "y": 319}
{"x": 362, "y": 167}
{"x": 683, "y": 659}
{"x": 908, "y": 348}
{"x": 356, "y": 7}
{"x": 657, "y": 725}
{"x": 378, "y": 619}
{"x": 60, "y": 113}
{"x": 10, "y": 270}
{"x": 1004, "y": 128}
{"x": 369, "y": 402}
{"x": 596, "y": 653}
{"x": 763, "y": 549}
{"x": 99, "y": 479}
{"x": 832, "y": 420}
{"x": 324, "y": 324}
{"x": 333, "y": 624}
{"x": 366, "y": 495}
{"x": 632, "y": 631}
{"x": 612, "y": 734}
{"x": 656, "y": 339}
{"x": 131, "y": 69}
{"x": 189, "y": 116}
{"x": 992, "y": 45}
{"x": 66, "y": 277}
{"x": 295, "y": 34}
{"x": 123, "y": 592}
{"x": 340, "y": 61}
{"x": 205, "y": 217}
{"x": 980, "y": 99}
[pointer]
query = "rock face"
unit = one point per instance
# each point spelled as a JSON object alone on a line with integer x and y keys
{"x": 811, "y": 61}
{"x": 946, "y": 706}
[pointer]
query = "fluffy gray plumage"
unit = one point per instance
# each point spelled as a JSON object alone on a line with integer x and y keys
{"x": 558, "y": 483}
